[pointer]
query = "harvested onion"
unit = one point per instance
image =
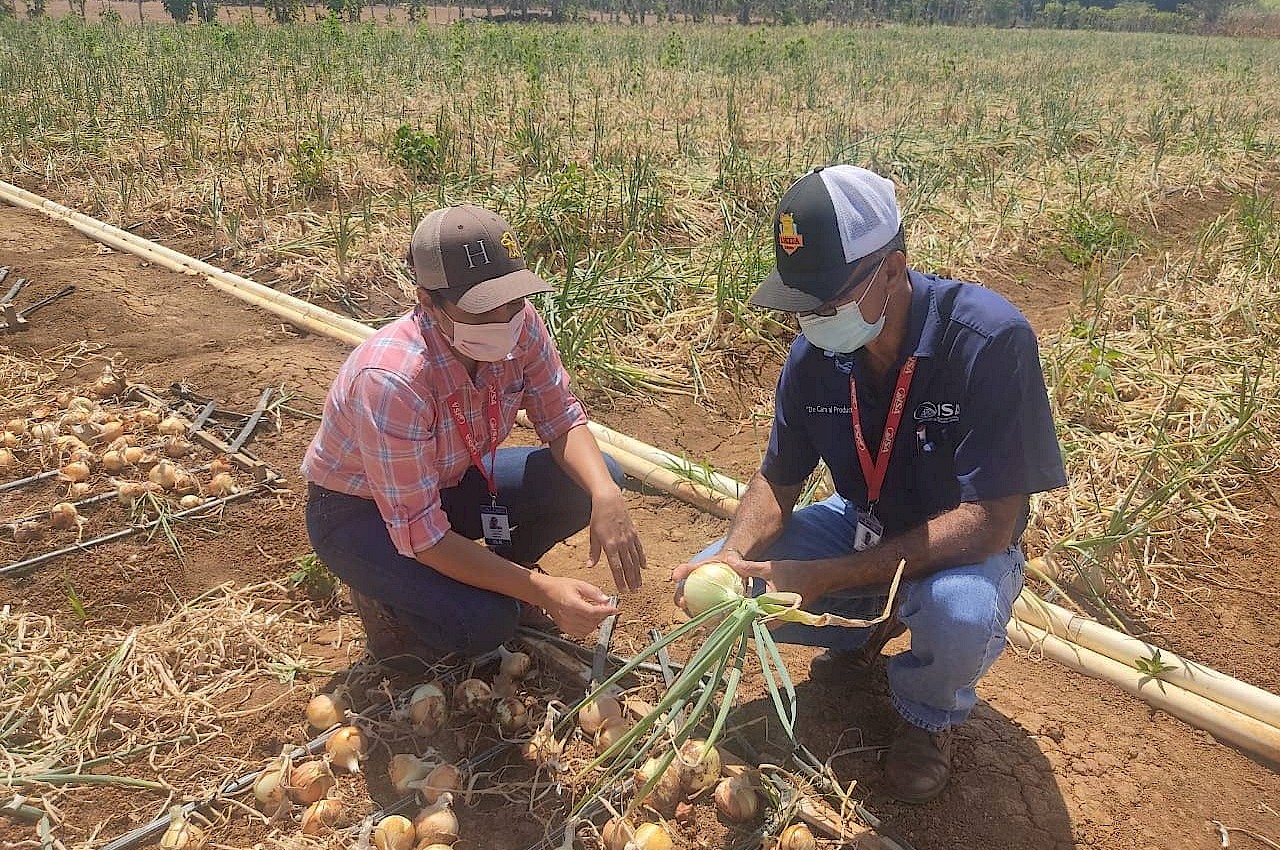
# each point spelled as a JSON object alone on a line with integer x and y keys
{"x": 616, "y": 833}
{"x": 310, "y": 782}
{"x": 610, "y": 732}
{"x": 443, "y": 779}
{"x": 650, "y": 836}
{"x": 181, "y": 833}
{"x": 134, "y": 454}
{"x": 186, "y": 483}
{"x": 223, "y": 484}
{"x": 325, "y": 710}
{"x": 594, "y": 714}
{"x": 220, "y": 464}
{"x": 9, "y": 440}
{"x": 699, "y": 766}
{"x": 437, "y": 824}
{"x": 64, "y": 516}
{"x": 177, "y": 447}
{"x": 514, "y": 665}
{"x": 77, "y": 470}
{"x": 7, "y": 459}
{"x": 394, "y": 832}
{"x": 797, "y": 837}
{"x": 147, "y": 418}
{"x": 322, "y": 816}
{"x": 111, "y": 430}
{"x": 189, "y": 501}
{"x": 511, "y": 715}
{"x": 164, "y": 473}
{"x": 544, "y": 747}
{"x": 472, "y": 696}
{"x": 665, "y": 793}
{"x": 427, "y": 709}
{"x": 736, "y": 798}
{"x": 269, "y": 787}
{"x": 173, "y": 426}
{"x": 114, "y": 461}
{"x": 406, "y": 770}
{"x": 79, "y": 490}
{"x": 345, "y": 748}
{"x": 44, "y": 432}
{"x": 16, "y": 426}
{"x": 709, "y": 585}
{"x": 109, "y": 383}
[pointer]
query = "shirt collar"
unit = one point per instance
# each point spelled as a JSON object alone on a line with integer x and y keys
{"x": 923, "y": 323}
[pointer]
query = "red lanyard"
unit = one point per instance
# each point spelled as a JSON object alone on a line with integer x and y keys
{"x": 491, "y": 411}
{"x": 874, "y": 473}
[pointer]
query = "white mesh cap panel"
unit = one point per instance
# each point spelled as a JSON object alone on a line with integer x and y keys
{"x": 867, "y": 213}
{"x": 428, "y": 265}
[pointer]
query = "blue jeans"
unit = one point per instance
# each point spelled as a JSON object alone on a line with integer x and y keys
{"x": 957, "y": 616}
{"x": 544, "y": 504}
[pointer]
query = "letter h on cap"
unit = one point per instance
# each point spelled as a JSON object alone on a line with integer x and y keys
{"x": 471, "y": 255}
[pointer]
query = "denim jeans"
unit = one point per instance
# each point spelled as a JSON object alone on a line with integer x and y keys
{"x": 545, "y": 506}
{"x": 957, "y": 616}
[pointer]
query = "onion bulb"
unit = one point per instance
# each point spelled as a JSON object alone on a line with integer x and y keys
{"x": 114, "y": 461}
{"x": 16, "y": 427}
{"x": 7, "y": 459}
{"x": 134, "y": 454}
{"x": 345, "y": 748}
{"x": 164, "y": 473}
{"x": 406, "y": 769}
{"x": 616, "y": 833}
{"x": 79, "y": 490}
{"x": 77, "y": 470}
{"x": 220, "y": 464}
{"x": 269, "y": 787}
{"x": 596, "y": 713}
{"x": 108, "y": 384}
{"x": 111, "y": 430}
{"x": 322, "y": 816}
{"x": 511, "y": 715}
{"x": 177, "y": 447}
{"x": 64, "y": 516}
{"x": 437, "y": 824}
{"x": 189, "y": 501}
{"x": 44, "y": 432}
{"x": 544, "y": 747}
{"x": 394, "y": 833}
{"x": 796, "y": 837}
{"x": 9, "y": 440}
{"x": 699, "y": 766}
{"x": 443, "y": 779}
{"x": 28, "y": 532}
{"x": 82, "y": 404}
{"x": 186, "y": 483}
{"x": 223, "y": 484}
{"x": 173, "y": 426}
{"x": 181, "y": 833}
{"x": 514, "y": 665}
{"x": 131, "y": 492}
{"x": 650, "y": 836}
{"x": 427, "y": 709}
{"x": 665, "y": 793}
{"x": 709, "y": 585}
{"x": 736, "y": 798}
{"x": 610, "y": 732}
{"x": 63, "y": 398}
{"x": 325, "y": 710}
{"x": 472, "y": 696}
{"x": 310, "y": 782}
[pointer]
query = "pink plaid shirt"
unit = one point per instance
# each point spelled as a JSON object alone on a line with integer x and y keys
{"x": 386, "y": 434}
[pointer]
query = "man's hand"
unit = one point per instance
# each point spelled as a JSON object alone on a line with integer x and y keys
{"x": 576, "y": 606}
{"x": 613, "y": 533}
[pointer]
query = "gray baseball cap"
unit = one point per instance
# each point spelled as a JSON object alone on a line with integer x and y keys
{"x": 471, "y": 256}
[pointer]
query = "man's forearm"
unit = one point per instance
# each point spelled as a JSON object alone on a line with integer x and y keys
{"x": 468, "y": 562}
{"x": 760, "y": 517}
{"x": 966, "y": 534}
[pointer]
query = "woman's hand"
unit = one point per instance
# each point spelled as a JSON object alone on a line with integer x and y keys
{"x": 613, "y": 534}
{"x": 576, "y": 606}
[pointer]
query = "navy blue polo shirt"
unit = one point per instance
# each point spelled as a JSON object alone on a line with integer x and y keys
{"x": 977, "y": 423}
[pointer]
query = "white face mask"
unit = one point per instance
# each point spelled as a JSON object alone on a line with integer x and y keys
{"x": 846, "y": 331}
{"x": 490, "y": 342}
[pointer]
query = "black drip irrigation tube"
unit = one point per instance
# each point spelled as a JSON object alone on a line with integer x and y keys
{"x": 147, "y": 833}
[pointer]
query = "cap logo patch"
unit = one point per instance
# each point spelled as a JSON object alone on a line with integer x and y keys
{"x": 509, "y": 242}
{"x": 788, "y": 239}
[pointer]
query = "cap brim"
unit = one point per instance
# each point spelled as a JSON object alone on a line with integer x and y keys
{"x": 492, "y": 294}
{"x": 773, "y": 294}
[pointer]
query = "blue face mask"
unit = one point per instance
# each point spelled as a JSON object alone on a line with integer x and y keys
{"x": 846, "y": 331}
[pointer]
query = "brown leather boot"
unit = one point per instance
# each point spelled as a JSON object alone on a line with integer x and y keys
{"x": 918, "y": 763}
{"x": 836, "y": 664}
{"x": 387, "y": 640}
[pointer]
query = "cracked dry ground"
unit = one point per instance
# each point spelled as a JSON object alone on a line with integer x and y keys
{"x": 1050, "y": 759}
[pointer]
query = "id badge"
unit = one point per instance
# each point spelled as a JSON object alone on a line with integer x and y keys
{"x": 867, "y": 531}
{"x": 496, "y": 525}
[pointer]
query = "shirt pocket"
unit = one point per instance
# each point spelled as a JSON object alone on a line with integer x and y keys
{"x": 934, "y": 473}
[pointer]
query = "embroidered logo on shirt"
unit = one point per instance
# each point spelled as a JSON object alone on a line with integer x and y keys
{"x": 941, "y": 411}
{"x": 788, "y": 239}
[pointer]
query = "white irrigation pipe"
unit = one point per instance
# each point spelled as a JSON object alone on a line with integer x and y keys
{"x": 295, "y": 310}
{"x": 1247, "y": 733}
{"x": 1232, "y": 710}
